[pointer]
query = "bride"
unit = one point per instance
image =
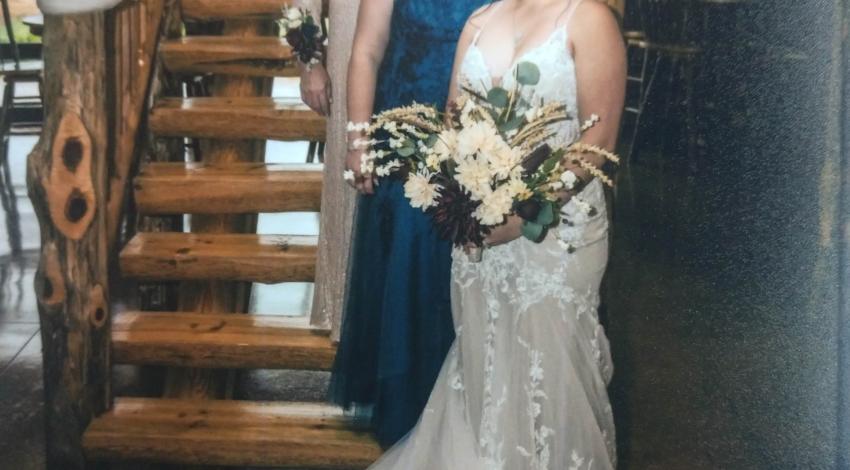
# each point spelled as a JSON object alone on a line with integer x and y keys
{"x": 524, "y": 385}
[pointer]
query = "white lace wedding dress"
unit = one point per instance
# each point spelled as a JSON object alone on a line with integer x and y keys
{"x": 524, "y": 386}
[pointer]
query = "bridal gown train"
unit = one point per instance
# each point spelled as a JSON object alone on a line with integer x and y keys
{"x": 524, "y": 385}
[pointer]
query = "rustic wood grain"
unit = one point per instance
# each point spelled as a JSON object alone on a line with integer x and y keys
{"x": 67, "y": 175}
{"x": 249, "y": 56}
{"x": 198, "y": 188}
{"x": 134, "y": 37}
{"x": 230, "y": 433}
{"x": 237, "y": 118}
{"x": 186, "y": 339}
{"x": 220, "y": 257}
{"x": 210, "y": 10}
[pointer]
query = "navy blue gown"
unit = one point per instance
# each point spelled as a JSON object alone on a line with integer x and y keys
{"x": 398, "y": 325}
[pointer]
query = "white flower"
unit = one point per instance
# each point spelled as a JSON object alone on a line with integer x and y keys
{"x": 583, "y": 206}
{"x": 348, "y": 175}
{"x": 569, "y": 179}
{"x": 294, "y": 14}
{"x": 386, "y": 170}
{"x": 446, "y": 145}
{"x": 557, "y": 185}
{"x": 495, "y": 206}
{"x": 396, "y": 143}
{"x": 474, "y": 175}
{"x": 421, "y": 192}
{"x": 481, "y": 136}
{"x": 432, "y": 161}
{"x": 518, "y": 189}
{"x": 502, "y": 158}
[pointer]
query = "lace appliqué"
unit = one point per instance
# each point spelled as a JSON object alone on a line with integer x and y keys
{"x": 538, "y": 457}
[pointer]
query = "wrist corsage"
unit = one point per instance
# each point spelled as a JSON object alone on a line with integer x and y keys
{"x": 304, "y": 35}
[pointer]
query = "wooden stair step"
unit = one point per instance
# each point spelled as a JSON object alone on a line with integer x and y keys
{"x": 181, "y": 256}
{"x": 232, "y": 433}
{"x": 253, "y": 56}
{"x": 212, "y": 10}
{"x": 236, "y": 188}
{"x": 184, "y": 339}
{"x": 237, "y": 118}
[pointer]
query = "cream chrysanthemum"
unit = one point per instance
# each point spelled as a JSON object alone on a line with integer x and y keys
{"x": 495, "y": 206}
{"x": 479, "y": 137}
{"x": 421, "y": 192}
{"x": 474, "y": 175}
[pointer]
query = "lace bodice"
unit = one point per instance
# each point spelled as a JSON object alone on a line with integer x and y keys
{"x": 557, "y": 83}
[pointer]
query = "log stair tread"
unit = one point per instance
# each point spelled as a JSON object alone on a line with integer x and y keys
{"x": 212, "y": 10}
{"x": 232, "y": 433}
{"x": 253, "y": 56}
{"x": 184, "y": 339}
{"x": 178, "y": 256}
{"x": 237, "y": 118}
{"x": 235, "y": 188}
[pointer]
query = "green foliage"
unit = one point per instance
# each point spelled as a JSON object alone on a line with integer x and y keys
{"x": 498, "y": 97}
{"x": 533, "y": 231}
{"x": 527, "y": 74}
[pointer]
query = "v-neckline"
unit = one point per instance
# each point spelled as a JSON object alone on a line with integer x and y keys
{"x": 516, "y": 60}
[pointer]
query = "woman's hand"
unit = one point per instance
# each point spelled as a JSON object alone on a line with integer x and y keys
{"x": 316, "y": 89}
{"x": 507, "y": 232}
{"x": 365, "y": 184}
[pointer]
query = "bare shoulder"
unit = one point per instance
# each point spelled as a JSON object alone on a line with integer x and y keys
{"x": 474, "y": 23}
{"x": 594, "y": 19}
{"x": 594, "y": 14}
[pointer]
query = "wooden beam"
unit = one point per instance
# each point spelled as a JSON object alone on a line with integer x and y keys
{"x": 212, "y": 10}
{"x": 220, "y": 257}
{"x": 264, "y": 56}
{"x": 237, "y": 118}
{"x": 185, "y": 339}
{"x": 199, "y": 188}
{"x": 232, "y": 433}
{"x": 67, "y": 174}
{"x": 133, "y": 37}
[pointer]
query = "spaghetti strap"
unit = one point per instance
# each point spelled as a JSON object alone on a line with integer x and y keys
{"x": 568, "y": 11}
{"x": 495, "y": 6}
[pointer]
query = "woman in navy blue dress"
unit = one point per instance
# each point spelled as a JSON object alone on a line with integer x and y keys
{"x": 398, "y": 324}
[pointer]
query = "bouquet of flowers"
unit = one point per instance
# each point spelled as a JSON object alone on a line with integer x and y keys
{"x": 304, "y": 34}
{"x": 487, "y": 159}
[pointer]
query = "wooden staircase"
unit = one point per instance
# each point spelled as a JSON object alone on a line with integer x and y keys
{"x": 222, "y": 193}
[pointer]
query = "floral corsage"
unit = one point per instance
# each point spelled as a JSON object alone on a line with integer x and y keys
{"x": 304, "y": 35}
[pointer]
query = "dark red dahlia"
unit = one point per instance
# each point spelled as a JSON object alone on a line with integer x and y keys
{"x": 453, "y": 215}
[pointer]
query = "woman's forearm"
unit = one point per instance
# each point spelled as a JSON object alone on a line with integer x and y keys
{"x": 362, "y": 80}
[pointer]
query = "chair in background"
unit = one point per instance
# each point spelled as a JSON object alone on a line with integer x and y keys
{"x": 21, "y": 115}
{"x": 662, "y": 73}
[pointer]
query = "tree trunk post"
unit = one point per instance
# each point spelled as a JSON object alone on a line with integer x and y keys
{"x": 66, "y": 177}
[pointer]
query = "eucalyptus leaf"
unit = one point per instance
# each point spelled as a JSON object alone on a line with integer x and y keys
{"x": 498, "y": 97}
{"x": 533, "y": 231}
{"x": 546, "y": 217}
{"x": 527, "y": 74}
{"x": 512, "y": 124}
{"x": 406, "y": 151}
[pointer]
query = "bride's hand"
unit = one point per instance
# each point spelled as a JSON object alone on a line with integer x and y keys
{"x": 365, "y": 184}
{"x": 507, "y": 232}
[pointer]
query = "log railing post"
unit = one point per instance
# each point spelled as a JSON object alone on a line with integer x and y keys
{"x": 66, "y": 177}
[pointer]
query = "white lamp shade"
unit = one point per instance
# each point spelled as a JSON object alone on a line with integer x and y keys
{"x": 65, "y": 7}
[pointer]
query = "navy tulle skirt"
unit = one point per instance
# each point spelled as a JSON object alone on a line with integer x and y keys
{"x": 398, "y": 326}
